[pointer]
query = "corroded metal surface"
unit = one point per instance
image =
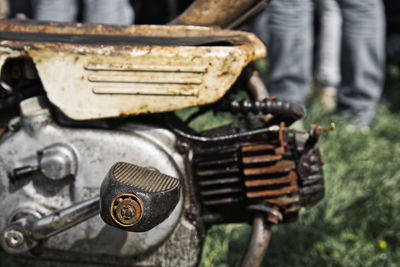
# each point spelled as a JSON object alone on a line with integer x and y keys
{"x": 126, "y": 209}
{"x": 258, "y": 243}
{"x": 181, "y": 249}
{"x": 92, "y": 240}
{"x": 129, "y": 188}
{"x": 33, "y": 230}
{"x": 279, "y": 171}
{"x": 273, "y": 180}
{"x": 98, "y": 71}
{"x": 215, "y": 12}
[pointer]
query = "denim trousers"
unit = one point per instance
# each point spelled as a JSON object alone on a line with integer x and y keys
{"x": 329, "y": 43}
{"x": 287, "y": 28}
{"x": 117, "y": 12}
{"x": 363, "y": 58}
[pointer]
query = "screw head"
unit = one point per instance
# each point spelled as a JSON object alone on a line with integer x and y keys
{"x": 126, "y": 210}
{"x": 182, "y": 146}
{"x": 14, "y": 238}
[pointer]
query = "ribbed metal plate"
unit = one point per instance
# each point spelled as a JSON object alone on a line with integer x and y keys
{"x": 143, "y": 178}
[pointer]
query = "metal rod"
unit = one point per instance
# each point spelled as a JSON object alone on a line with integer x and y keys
{"x": 254, "y": 10}
{"x": 258, "y": 243}
{"x": 64, "y": 219}
{"x": 213, "y": 13}
{"x": 256, "y": 86}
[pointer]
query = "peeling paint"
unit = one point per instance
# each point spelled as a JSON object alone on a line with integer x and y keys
{"x": 181, "y": 68}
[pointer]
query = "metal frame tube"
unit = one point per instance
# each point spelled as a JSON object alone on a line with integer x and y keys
{"x": 258, "y": 243}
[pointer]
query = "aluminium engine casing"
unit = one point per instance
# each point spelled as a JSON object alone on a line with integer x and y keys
{"x": 175, "y": 242}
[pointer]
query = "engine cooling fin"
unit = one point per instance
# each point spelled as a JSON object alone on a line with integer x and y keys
{"x": 274, "y": 171}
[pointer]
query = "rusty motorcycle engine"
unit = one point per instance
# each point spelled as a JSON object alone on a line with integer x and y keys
{"x": 83, "y": 106}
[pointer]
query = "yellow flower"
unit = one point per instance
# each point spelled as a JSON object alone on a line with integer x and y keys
{"x": 382, "y": 244}
{"x": 351, "y": 237}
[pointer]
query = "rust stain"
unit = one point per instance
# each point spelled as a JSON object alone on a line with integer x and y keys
{"x": 251, "y": 147}
{"x": 280, "y": 166}
{"x": 261, "y": 159}
{"x": 269, "y": 177}
{"x": 292, "y": 177}
{"x": 273, "y": 193}
{"x": 213, "y": 12}
{"x": 283, "y": 201}
{"x": 88, "y": 54}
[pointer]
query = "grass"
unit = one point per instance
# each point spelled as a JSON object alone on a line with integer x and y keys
{"x": 358, "y": 221}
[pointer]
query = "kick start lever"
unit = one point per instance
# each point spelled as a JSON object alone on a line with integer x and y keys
{"x": 25, "y": 233}
{"x": 132, "y": 198}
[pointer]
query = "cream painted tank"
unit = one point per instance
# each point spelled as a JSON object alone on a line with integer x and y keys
{"x": 98, "y": 71}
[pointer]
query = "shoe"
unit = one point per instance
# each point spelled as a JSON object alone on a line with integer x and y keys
{"x": 360, "y": 118}
{"x": 351, "y": 128}
{"x": 327, "y": 97}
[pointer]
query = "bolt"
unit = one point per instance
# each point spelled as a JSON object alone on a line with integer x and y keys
{"x": 14, "y": 238}
{"x": 22, "y": 172}
{"x": 182, "y": 146}
{"x": 127, "y": 210}
{"x": 14, "y": 124}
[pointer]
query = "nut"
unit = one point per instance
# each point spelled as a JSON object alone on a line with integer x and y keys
{"x": 182, "y": 146}
{"x": 14, "y": 238}
{"x": 126, "y": 210}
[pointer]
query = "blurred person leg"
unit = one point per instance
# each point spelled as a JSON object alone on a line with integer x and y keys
{"x": 289, "y": 44}
{"x": 118, "y": 12}
{"x": 363, "y": 59}
{"x": 328, "y": 65}
{"x": 259, "y": 25}
{"x": 56, "y": 10}
{"x": 4, "y": 9}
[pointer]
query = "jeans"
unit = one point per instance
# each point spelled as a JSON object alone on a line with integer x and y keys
{"x": 329, "y": 41}
{"x": 117, "y": 12}
{"x": 363, "y": 58}
{"x": 286, "y": 27}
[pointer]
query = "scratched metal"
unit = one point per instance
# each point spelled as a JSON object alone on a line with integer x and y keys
{"x": 99, "y": 71}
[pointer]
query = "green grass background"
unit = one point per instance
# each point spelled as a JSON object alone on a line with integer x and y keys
{"x": 358, "y": 221}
